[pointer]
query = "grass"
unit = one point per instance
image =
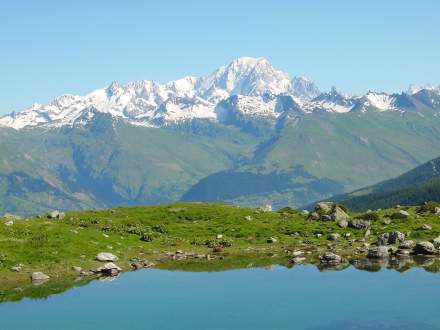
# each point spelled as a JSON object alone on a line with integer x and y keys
{"x": 150, "y": 232}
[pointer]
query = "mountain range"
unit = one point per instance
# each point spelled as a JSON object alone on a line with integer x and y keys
{"x": 247, "y": 134}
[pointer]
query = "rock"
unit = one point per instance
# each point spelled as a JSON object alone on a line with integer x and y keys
{"x": 305, "y": 212}
{"x": 326, "y": 217}
{"x": 56, "y": 215}
{"x": 367, "y": 233}
{"x": 331, "y": 258}
{"x": 137, "y": 265}
{"x": 425, "y": 227}
{"x": 400, "y": 215}
{"x": 436, "y": 242}
{"x": 17, "y": 268}
{"x": 379, "y": 252}
{"x": 425, "y": 248}
{"x": 437, "y": 210}
{"x": 359, "y": 224}
{"x": 297, "y": 253}
{"x": 109, "y": 269}
{"x": 248, "y": 218}
{"x": 217, "y": 249}
{"x": 9, "y": 223}
{"x": 149, "y": 264}
{"x": 324, "y": 207}
{"x": 396, "y": 237}
{"x": 407, "y": 244}
{"x": 387, "y": 222}
{"x": 265, "y": 208}
{"x": 402, "y": 253}
{"x": 77, "y": 269}
{"x": 219, "y": 236}
{"x": 318, "y": 235}
{"x": 314, "y": 216}
{"x": 10, "y": 216}
{"x": 298, "y": 260}
{"x": 334, "y": 237}
{"x": 271, "y": 240}
{"x": 39, "y": 277}
{"x": 106, "y": 256}
{"x": 383, "y": 239}
{"x": 343, "y": 224}
{"x": 339, "y": 214}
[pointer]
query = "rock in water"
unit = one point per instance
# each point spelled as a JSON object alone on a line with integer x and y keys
{"x": 109, "y": 269}
{"x": 426, "y": 248}
{"x": 106, "y": 256}
{"x": 380, "y": 252}
{"x": 331, "y": 258}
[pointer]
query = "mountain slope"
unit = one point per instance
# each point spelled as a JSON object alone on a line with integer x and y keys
{"x": 414, "y": 187}
{"x": 246, "y": 134}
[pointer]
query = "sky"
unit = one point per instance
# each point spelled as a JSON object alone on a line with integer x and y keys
{"x": 49, "y": 48}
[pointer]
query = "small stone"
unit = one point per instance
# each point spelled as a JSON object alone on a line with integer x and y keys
{"x": 436, "y": 242}
{"x": 314, "y": 216}
{"x": 39, "y": 277}
{"x": 318, "y": 235}
{"x": 17, "y": 268}
{"x": 425, "y": 227}
{"x": 9, "y": 223}
{"x": 271, "y": 240}
{"x": 387, "y": 222}
{"x": 305, "y": 212}
{"x": 298, "y": 260}
{"x": 334, "y": 237}
{"x": 106, "y": 256}
{"x": 219, "y": 236}
{"x": 248, "y": 218}
{"x": 105, "y": 235}
{"x": 77, "y": 269}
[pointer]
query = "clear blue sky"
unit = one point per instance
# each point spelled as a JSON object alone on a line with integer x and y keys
{"x": 53, "y": 47}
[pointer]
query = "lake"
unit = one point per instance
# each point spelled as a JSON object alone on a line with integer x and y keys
{"x": 254, "y": 298}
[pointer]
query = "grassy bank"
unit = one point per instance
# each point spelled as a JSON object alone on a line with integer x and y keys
{"x": 232, "y": 237}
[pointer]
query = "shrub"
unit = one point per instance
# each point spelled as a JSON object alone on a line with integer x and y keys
{"x": 160, "y": 229}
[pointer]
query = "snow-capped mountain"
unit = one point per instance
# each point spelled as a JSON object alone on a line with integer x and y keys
{"x": 252, "y": 83}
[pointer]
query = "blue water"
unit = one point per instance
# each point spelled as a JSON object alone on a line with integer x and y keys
{"x": 277, "y": 298}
